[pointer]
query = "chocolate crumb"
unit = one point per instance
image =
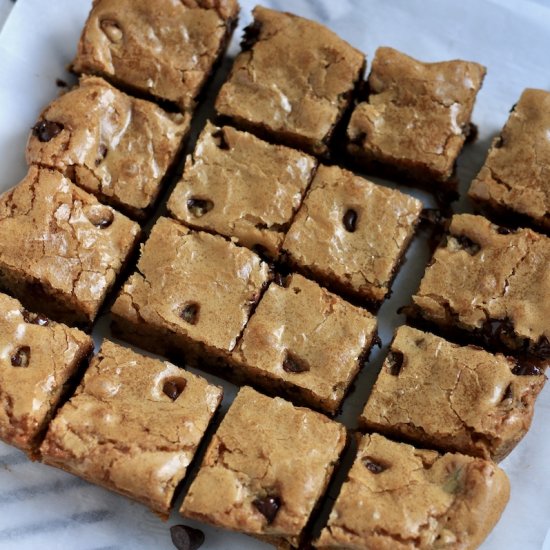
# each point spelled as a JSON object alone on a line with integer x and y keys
{"x": 21, "y": 357}
{"x": 46, "y": 130}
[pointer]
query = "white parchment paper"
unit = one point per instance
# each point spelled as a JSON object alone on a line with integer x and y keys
{"x": 41, "y": 507}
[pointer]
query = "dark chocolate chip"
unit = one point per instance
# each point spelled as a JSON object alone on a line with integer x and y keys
{"x": 45, "y": 130}
{"x": 294, "y": 364}
{"x": 471, "y": 247}
{"x": 190, "y": 313}
{"x": 199, "y": 207}
{"x": 99, "y": 215}
{"x": 186, "y": 538}
{"x": 268, "y": 507}
{"x": 395, "y": 362}
{"x": 221, "y": 142}
{"x": 495, "y": 331}
{"x": 374, "y": 466}
{"x": 542, "y": 348}
{"x": 21, "y": 357}
{"x": 61, "y": 83}
{"x": 508, "y": 393}
{"x": 251, "y": 34}
{"x": 350, "y": 220}
{"x": 112, "y": 30}
{"x": 504, "y": 231}
{"x": 101, "y": 154}
{"x": 527, "y": 367}
{"x": 174, "y": 387}
{"x": 35, "y": 318}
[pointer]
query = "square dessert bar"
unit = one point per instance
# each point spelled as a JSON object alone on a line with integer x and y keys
{"x": 191, "y": 295}
{"x": 306, "y": 342}
{"x": 38, "y": 360}
{"x": 293, "y": 81}
{"x": 112, "y": 145}
{"x": 490, "y": 283}
{"x": 163, "y": 49}
{"x": 242, "y": 187}
{"x": 60, "y": 249}
{"x": 416, "y": 118}
{"x": 515, "y": 178}
{"x": 266, "y": 469}
{"x": 397, "y": 496}
{"x": 351, "y": 234}
{"x": 133, "y": 425}
{"x": 453, "y": 398}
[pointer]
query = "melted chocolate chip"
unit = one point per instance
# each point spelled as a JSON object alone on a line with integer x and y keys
{"x": 527, "y": 367}
{"x": 350, "y": 220}
{"x": 45, "y": 130}
{"x": 186, "y": 538}
{"x": 251, "y": 34}
{"x": 190, "y": 313}
{"x": 395, "y": 362}
{"x": 99, "y": 215}
{"x": 199, "y": 207}
{"x": 293, "y": 364}
{"x": 374, "y": 466}
{"x": 268, "y": 507}
{"x": 21, "y": 357}
{"x": 112, "y": 30}
{"x": 495, "y": 331}
{"x": 221, "y": 142}
{"x": 35, "y": 318}
{"x": 174, "y": 387}
{"x": 471, "y": 247}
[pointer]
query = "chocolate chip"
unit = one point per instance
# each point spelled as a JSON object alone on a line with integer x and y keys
{"x": 374, "y": 466}
{"x": 251, "y": 35}
{"x": 186, "y": 538}
{"x": 495, "y": 331}
{"x": 112, "y": 30}
{"x": 508, "y": 393}
{"x": 395, "y": 362}
{"x": 99, "y": 215}
{"x": 469, "y": 246}
{"x": 45, "y": 130}
{"x": 293, "y": 364}
{"x": 281, "y": 280}
{"x": 221, "y": 142}
{"x": 527, "y": 367}
{"x": 350, "y": 220}
{"x": 268, "y": 507}
{"x": 199, "y": 207}
{"x": 498, "y": 143}
{"x": 174, "y": 387}
{"x": 190, "y": 313}
{"x": 101, "y": 153}
{"x": 60, "y": 83}
{"x": 542, "y": 348}
{"x": 21, "y": 357}
{"x": 504, "y": 231}
{"x": 35, "y": 318}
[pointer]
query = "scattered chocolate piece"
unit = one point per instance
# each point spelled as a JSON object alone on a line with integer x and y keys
{"x": 374, "y": 466}
{"x": 173, "y": 388}
{"x": 294, "y": 364}
{"x": 190, "y": 313}
{"x": 350, "y": 220}
{"x": 268, "y": 507}
{"x": 525, "y": 367}
{"x": 46, "y": 130}
{"x": 35, "y": 318}
{"x": 395, "y": 362}
{"x": 21, "y": 357}
{"x": 199, "y": 207}
{"x": 186, "y": 538}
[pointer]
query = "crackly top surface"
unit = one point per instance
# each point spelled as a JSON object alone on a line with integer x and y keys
{"x": 265, "y": 449}
{"x": 364, "y": 259}
{"x": 165, "y": 48}
{"x": 417, "y": 114}
{"x": 109, "y": 143}
{"x": 134, "y": 425}
{"x": 56, "y": 233}
{"x": 294, "y": 76}
{"x": 308, "y": 337}
{"x": 401, "y": 498}
{"x": 254, "y": 187}
{"x": 456, "y": 398}
{"x": 516, "y": 174}
{"x": 483, "y": 273}
{"x": 37, "y": 357}
{"x": 194, "y": 284}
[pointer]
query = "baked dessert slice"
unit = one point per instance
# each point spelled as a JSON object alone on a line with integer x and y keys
{"x": 400, "y": 497}
{"x": 242, "y": 187}
{"x": 112, "y": 145}
{"x": 453, "y": 398}
{"x": 39, "y": 359}
{"x": 162, "y": 49}
{"x": 306, "y": 343}
{"x": 490, "y": 284}
{"x": 515, "y": 179}
{"x": 293, "y": 81}
{"x": 351, "y": 234}
{"x": 191, "y": 295}
{"x": 416, "y": 118}
{"x": 133, "y": 425}
{"x": 60, "y": 249}
{"x": 266, "y": 469}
